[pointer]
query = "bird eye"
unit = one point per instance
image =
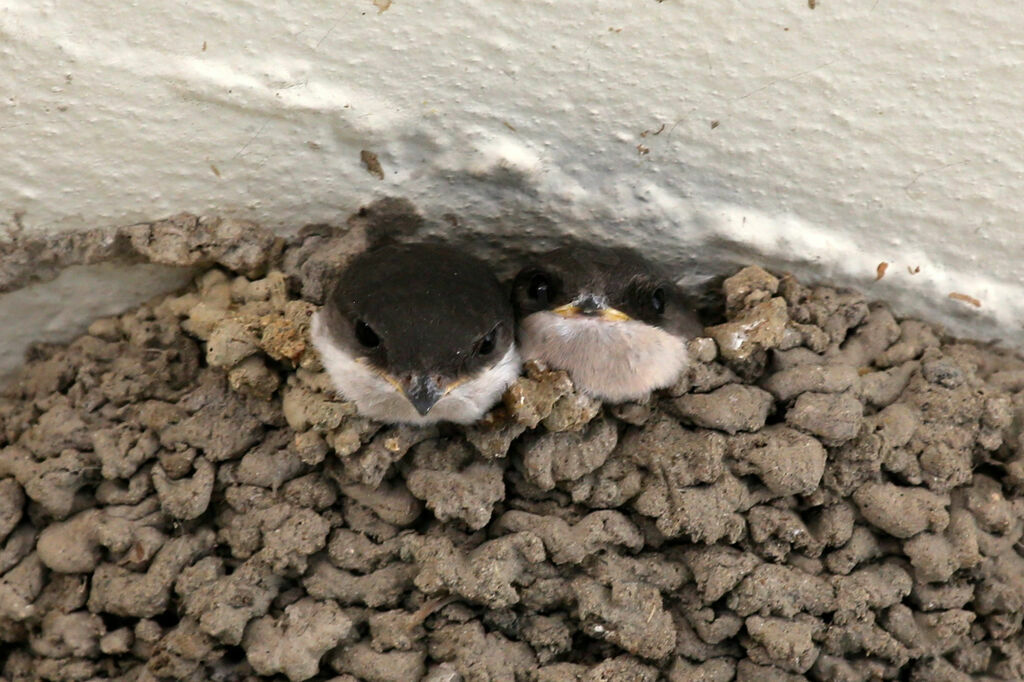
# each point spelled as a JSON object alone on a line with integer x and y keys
{"x": 486, "y": 345}
{"x": 366, "y": 336}
{"x": 658, "y": 301}
{"x": 540, "y": 288}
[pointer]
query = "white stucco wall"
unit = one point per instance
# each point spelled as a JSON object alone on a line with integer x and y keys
{"x": 822, "y": 141}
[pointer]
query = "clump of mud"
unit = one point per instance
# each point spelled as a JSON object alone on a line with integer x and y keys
{"x": 829, "y": 494}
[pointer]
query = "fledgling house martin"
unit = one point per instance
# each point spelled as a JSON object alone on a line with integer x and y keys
{"x": 609, "y": 318}
{"x": 418, "y": 334}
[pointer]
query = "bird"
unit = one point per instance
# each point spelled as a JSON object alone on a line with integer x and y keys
{"x": 418, "y": 334}
{"x": 611, "y": 319}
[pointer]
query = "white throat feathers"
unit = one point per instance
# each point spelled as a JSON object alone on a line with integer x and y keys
{"x": 613, "y": 361}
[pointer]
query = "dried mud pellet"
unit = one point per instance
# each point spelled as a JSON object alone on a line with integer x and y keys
{"x": 732, "y": 408}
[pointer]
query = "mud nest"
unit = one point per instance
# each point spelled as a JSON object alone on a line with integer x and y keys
{"x": 828, "y": 494}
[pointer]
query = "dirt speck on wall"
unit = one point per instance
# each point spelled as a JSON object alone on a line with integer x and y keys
{"x": 829, "y": 493}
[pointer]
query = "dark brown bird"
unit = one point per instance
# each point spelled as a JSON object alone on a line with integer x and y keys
{"x": 418, "y": 333}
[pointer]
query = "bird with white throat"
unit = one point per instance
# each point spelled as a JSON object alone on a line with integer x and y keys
{"x": 418, "y": 334}
{"x": 608, "y": 317}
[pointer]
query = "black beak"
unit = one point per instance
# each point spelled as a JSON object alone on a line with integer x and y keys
{"x": 590, "y": 305}
{"x": 423, "y": 392}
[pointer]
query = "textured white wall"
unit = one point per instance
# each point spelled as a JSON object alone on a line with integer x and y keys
{"x": 822, "y": 141}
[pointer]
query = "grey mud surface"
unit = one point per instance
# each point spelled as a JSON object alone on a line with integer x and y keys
{"x": 828, "y": 494}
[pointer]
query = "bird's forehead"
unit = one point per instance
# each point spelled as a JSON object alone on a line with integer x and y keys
{"x": 595, "y": 270}
{"x": 429, "y": 304}
{"x": 418, "y": 339}
{"x": 430, "y": 307}
{"x": 434, "y": 269}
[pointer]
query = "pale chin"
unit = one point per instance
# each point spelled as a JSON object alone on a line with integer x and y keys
{"x": 376, "y": 398}
{"x": 612, "y": 361}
